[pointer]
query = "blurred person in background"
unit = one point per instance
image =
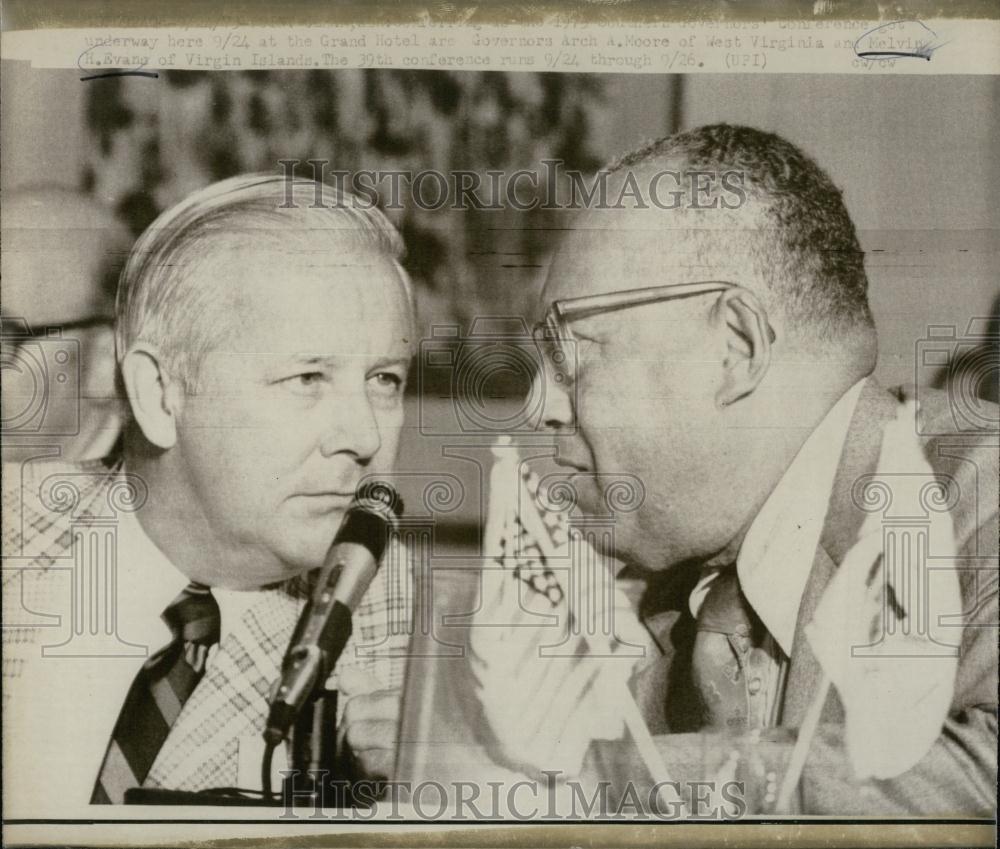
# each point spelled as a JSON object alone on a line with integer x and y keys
{"x": 62, "y": 253}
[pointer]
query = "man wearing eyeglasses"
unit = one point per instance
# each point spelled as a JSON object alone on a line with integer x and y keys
{"x": 61, "y": 258}
{"x": 724, "y": 358}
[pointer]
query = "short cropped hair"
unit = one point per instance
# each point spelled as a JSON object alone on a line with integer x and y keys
{"x": 806, "y": 246}
{"x": 164, "y": 301}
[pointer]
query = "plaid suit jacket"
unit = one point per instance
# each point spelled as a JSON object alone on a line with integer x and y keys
{"x": 57, "y": 514}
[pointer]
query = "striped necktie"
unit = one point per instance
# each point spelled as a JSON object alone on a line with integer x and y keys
{"x": 735, "y": 660}
{"x": 158, "y": 693}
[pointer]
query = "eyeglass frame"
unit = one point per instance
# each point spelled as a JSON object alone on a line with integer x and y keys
{"x": 555, "y": 323}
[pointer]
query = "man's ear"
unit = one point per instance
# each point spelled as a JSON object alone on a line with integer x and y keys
{"x": 155, "y": 397}
{"x": 101, "y": 365}
{"x": 742, "y": 321}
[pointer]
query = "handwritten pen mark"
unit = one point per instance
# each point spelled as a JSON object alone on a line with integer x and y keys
{"x": 889, "y": 54}
{"x": 152, "y": 74}
{"x": 920, "y": 50}
{"x": 116, "y": 72}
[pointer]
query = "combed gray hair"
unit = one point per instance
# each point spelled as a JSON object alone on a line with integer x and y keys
{"x": 163, "y": 302}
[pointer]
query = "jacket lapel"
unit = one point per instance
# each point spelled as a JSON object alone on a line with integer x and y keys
{"x": 859, "y": 457}
{"x": 202, "y": 749}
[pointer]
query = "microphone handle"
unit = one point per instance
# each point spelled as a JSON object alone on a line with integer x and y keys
{"x": 308, "y": 668}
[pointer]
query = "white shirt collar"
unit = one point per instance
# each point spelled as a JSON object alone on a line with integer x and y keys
{"x": 147, "y": 583}
{"x": 150, "y": 580}
{"x": 777, "y": 553}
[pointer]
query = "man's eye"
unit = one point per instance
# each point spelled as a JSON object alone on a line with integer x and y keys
{"x": 387, "y": 382}
{"x": 305, "y": 383}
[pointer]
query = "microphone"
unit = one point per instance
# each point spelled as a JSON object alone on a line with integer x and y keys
{"x": 325, "y": 625}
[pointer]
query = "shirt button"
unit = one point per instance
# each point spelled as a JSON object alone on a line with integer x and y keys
{"x": 754, "y": 684}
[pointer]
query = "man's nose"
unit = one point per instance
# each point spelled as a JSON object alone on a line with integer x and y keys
{"x": 555, "y": 398}
{"x": 354, "y": 429}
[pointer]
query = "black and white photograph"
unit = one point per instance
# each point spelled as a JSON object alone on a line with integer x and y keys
{"x": 479, "y": 442}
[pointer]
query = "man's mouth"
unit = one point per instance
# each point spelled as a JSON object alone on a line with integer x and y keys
{"x": 329, "y": 500}
{"x": 566, "y": 463}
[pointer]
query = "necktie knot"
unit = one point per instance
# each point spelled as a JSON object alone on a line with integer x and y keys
{"x": 725, "y": 610}
{"x": 193, "y": 617}
{"x": 732, "y": 658}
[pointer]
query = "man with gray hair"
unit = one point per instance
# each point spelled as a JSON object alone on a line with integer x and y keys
{"x": 263, "y": 347}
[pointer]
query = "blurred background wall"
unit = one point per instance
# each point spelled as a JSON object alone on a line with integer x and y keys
{"x": 140, "y": 145}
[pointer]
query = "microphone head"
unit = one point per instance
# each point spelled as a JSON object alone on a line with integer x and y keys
{"x": 371, "y": 518}
{"x": 379, "y": 497}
